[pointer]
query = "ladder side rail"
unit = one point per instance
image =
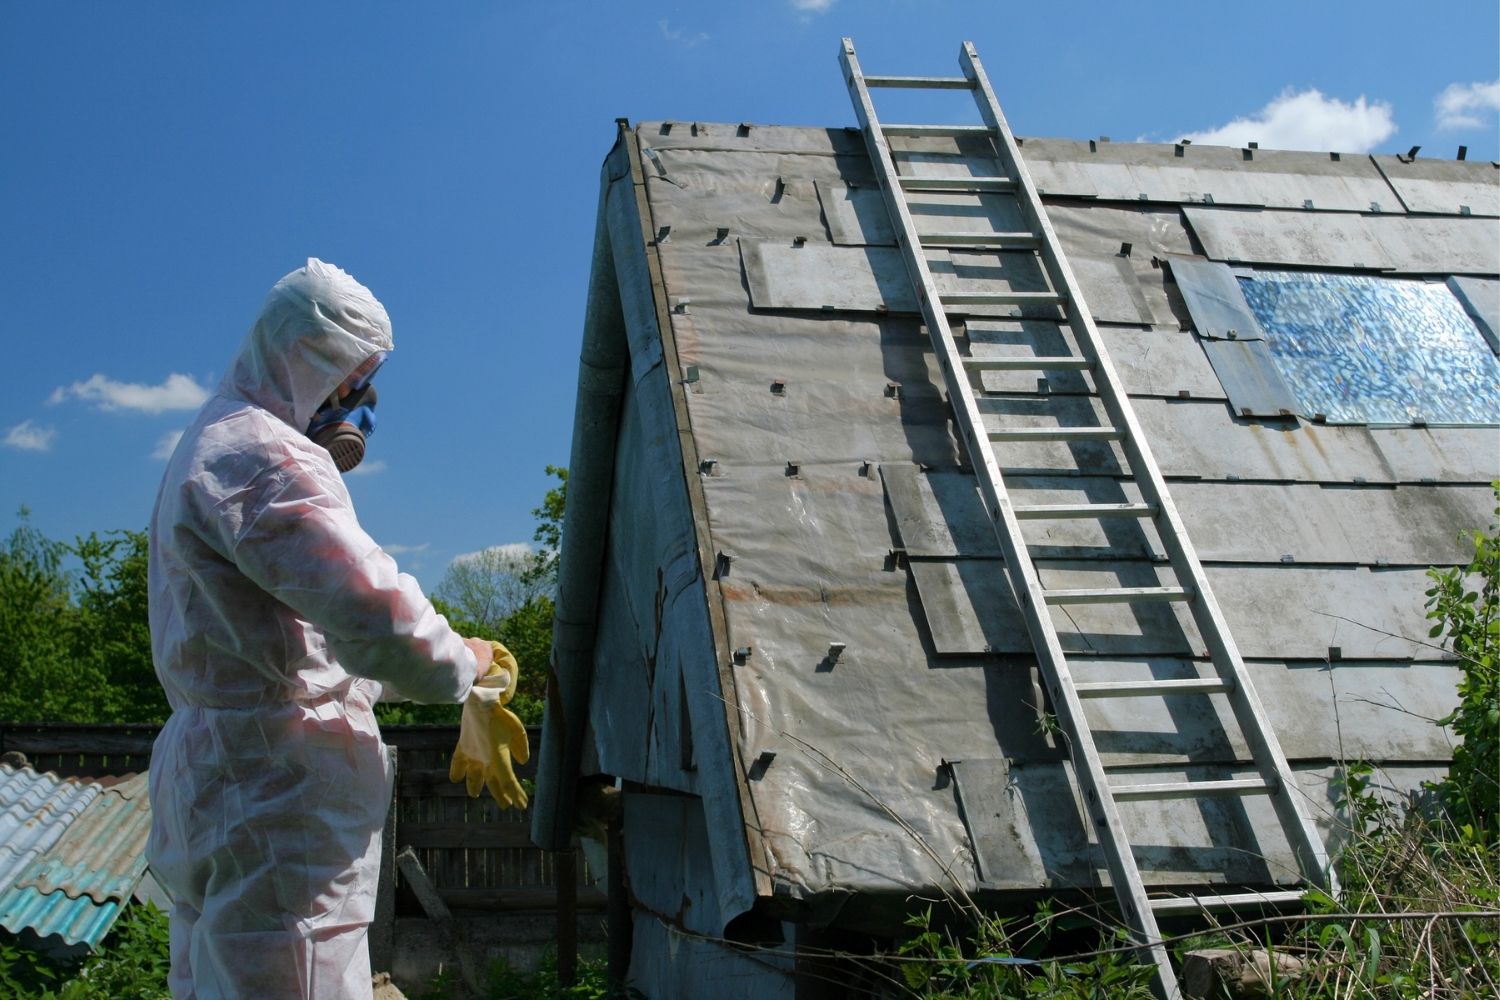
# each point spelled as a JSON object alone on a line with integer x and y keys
{"x": 1249, "y": 712}
{"x": 1102, "y": 811}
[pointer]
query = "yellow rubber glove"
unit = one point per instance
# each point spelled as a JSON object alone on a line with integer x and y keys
{"x": 490, "y": 736}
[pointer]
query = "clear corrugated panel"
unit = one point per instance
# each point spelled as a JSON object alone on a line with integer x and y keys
{"x": 1368, "y": 350}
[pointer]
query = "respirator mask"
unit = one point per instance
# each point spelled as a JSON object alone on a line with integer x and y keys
{"x": 347, "y": 418}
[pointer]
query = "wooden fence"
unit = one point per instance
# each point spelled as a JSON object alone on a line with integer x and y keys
{"x": 478, "y": 856}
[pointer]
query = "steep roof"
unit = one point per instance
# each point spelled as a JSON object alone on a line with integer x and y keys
{"x": 783, "y": 451}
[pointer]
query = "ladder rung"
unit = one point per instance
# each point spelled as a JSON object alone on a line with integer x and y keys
{"x": 1062, "y": 511}
{"x": 921, "y": 82}
{"x": 1140, "y": 689}
{"x": 1026, "y": 364}
{"x": 961, "y": 184}
{"x": 952, "y": 131}
{"x": 1056, "y": 434}
{"x": 1189, "y": 789}
{"x": 1118, "y": 595}
{"x": 1005, "y": 299}
{"x": 1020, "y": 240}
{"x": 1231, "y": 901}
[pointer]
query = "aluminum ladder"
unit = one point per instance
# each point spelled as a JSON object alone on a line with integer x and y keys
{"x": 1101, "y": 797}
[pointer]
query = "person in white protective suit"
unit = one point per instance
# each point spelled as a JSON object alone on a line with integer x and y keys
{"x": 276, "y": 623}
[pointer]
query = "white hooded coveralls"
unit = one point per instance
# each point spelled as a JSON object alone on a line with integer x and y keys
{"x": 275, "y": 621}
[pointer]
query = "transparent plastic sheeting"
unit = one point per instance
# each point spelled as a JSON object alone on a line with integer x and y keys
{"x": 1368, "y": 350}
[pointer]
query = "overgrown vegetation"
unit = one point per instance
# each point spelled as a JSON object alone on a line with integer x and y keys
{"x": 132, "y": 964}
{"x": 74, "y": 643}
{"x": 504, "y": 982}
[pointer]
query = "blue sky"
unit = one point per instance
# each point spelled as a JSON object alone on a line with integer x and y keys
{"x": 165, "y": 163}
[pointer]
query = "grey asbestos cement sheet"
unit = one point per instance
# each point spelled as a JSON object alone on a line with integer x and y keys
{"x": 1328, "y": 710}
{"x": 856, "y": 215}
{"x": 1405, "y": 244}
{"x": 752, "y": 138}
{"x": 819, "y": 276}
{"x": 1481, "y": 300}
{"x": 1444, "y": 187}
{"x": 1111, "y": 290}
{"x": 1162, "y": 361}
{"x": 938, "y": 515}
{"x": 729, "y": 206}
{"x": 1282, "y": 611}
{"x": 1025, "y": 823}
{"x": 1213, "y": 297}
{"x": 1287, "y": 238}
{"x": 1084, "y": 227}
{"x": 1198, "y": 174}
{"x": 998, "y": 814}
{"x": 1202, "y": 440}
{"x": 1250, "y": 377}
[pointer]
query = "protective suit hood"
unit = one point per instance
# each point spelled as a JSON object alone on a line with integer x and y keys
{"x": 316, "y": 326}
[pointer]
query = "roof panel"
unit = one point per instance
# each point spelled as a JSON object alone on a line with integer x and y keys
{"x": 1444, "y": 187}
{"x": 1392, "y": 243}
{"x": 72, "y": 851}
{"x": 1199, "y": 174}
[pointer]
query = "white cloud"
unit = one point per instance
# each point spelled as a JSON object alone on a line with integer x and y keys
{"x": 1465, "y": 105}
{"x": 509, "y": 552}
{"x": 815, "y": 6}
{"x": 368, "y": 468}
{"x": 1308, "y": 120}
{"x": 166, "y": 445}
{"x": 403, "y": 550}
{"x": 178, "y": 392}
{"x": 681, "y": 37}
{"x": 28, "y": 436}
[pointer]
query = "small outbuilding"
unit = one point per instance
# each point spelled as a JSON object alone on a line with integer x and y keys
{"x": 784, "y": 628}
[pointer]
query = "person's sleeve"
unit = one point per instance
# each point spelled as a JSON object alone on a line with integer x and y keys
{"x": 300, "y": 541}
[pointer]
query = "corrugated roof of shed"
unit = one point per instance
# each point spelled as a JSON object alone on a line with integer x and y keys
{"x": 71, "y": 852}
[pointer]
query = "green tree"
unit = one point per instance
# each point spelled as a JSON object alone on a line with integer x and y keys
{"x": 1464, "y": 602}
{"x": 41, "y": 682}
{"x": 111, "y": 627}
{"x": 484, "y": 588}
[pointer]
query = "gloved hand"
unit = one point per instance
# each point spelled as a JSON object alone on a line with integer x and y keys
{"x": 490, "y": 735}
